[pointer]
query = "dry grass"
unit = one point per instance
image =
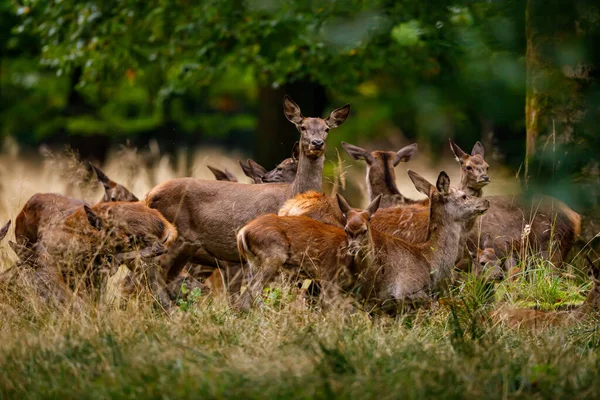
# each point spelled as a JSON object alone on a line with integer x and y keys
{"x": 282, "y": 349}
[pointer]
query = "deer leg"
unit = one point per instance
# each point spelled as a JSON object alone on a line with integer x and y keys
{"x": 264, "y": 273}
{"x": 233, "y": 276}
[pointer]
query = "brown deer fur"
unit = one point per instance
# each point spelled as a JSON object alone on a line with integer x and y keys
{"x": 396, "y": 273}
{"x": 42, "y": 207}
{"x": 207, "y": 214}
{"x": 72, "y": 242}
{"x": 553, "y": 225}
{"x": 381, "y": 178}
{"x": 301, "y": 246}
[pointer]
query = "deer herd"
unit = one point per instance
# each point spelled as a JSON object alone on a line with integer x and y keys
{"x": 396, "y": 254}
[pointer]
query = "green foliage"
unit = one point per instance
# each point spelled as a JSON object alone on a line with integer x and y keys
{"x": 430, "y": 69}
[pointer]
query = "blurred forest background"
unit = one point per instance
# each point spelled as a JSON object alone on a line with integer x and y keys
{"x": 521, "y": 75}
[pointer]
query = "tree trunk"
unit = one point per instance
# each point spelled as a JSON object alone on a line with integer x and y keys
{"x": 563, "y": 103}
{"x": 275, "y": 134}
{"x": 559, "y": 72}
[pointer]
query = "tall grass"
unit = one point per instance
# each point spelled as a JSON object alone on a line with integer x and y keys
{"x": 285, "y": 348}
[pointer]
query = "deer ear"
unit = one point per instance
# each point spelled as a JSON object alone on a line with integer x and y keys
{"x": 487, "y": 241}
{"x": 344, "y": 206}
{"x": 405, "y": 154}
{"x": 296, "y": 152}
{"x": 93, "y": 218}
{"x": 421, "y": 184}
{"x": 291, "y": 110}
{"x": 4, "y": 229}
{"x": 374, "y": 205}
{"x": 219, "y": 175}
{"x": 257, "y": 168}
{"x": 338, "y": 116}
{"x": 458, "y": 153}
{"x": 246, "y": 169}
{"x": 105, "y": 180}
{"x": 357, "y": 153}
{"x": 477, "y": 149}
{"x": 443, "y": 183}
{"x": 593, "y": 270}
{"x": 472, "y": 248}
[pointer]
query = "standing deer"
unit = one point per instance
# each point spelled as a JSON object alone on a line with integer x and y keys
{"x": 395, "y": 273}
{"x": 301, "y": 246}
{"x": 552, "y": 222}
{"x": 207, "y": 214}
{"x": 381, "y": 178}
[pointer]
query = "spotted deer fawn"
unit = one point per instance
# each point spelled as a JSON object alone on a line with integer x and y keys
{"x": 208, "y": 213}
{"x": 304, "y": 247}
{"x": 552, "y": 223}
{"x": 396, "y": 274}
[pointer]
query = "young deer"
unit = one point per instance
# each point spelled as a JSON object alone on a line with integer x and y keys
{"x": 381, "y": 178}
{"x": 78, "y": 243}
{"x": 303, "y": 247}
{"x": 484, "y": 261}
{"x": 42, "y": 207}
{"x": 524, "y": 317}
{"x": 396, "y": 273}
{"x": 207, "y": 213}
{"x": 552, "y": 223}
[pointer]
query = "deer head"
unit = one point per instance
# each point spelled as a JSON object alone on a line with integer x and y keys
{"x": 112, "y": 190}
{"x": 381, "y": 177}
{"x": 448, "y": 204}
{"x": 313, "y": 131}
{"x": 473, "y": 168}
{"x": 357, "y": 223}
{"x": 485, "y": 262}
{"x": 286, "y": 170}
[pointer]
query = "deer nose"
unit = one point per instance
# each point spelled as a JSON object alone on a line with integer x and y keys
{"x": 317, "y": 143}
{"x": 485, "y": 178}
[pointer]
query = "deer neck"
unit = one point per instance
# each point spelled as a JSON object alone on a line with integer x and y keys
{"x": 384, "y": 185}
{"x": 442, "y": 247}
{"x": 469, "y": 190}
{"x": 309, "y": 175}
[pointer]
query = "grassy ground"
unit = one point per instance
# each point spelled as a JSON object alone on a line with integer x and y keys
{"x": 284, "y": 349}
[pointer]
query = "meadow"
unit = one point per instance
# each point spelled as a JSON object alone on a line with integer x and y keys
{"x": 285, "y": 348}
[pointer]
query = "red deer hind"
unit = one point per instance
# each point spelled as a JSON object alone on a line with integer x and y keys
{"x": 208, "y": 214}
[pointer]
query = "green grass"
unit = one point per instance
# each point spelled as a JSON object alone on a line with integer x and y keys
{"x": 284, "y": 350}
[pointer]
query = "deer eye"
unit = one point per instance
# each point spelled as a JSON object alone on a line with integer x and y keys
{"x": 302, "y": 128}
{"x": 326, "y": 130}
{"x": 469, "y": 168}
{"x": 464, "y": 197}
